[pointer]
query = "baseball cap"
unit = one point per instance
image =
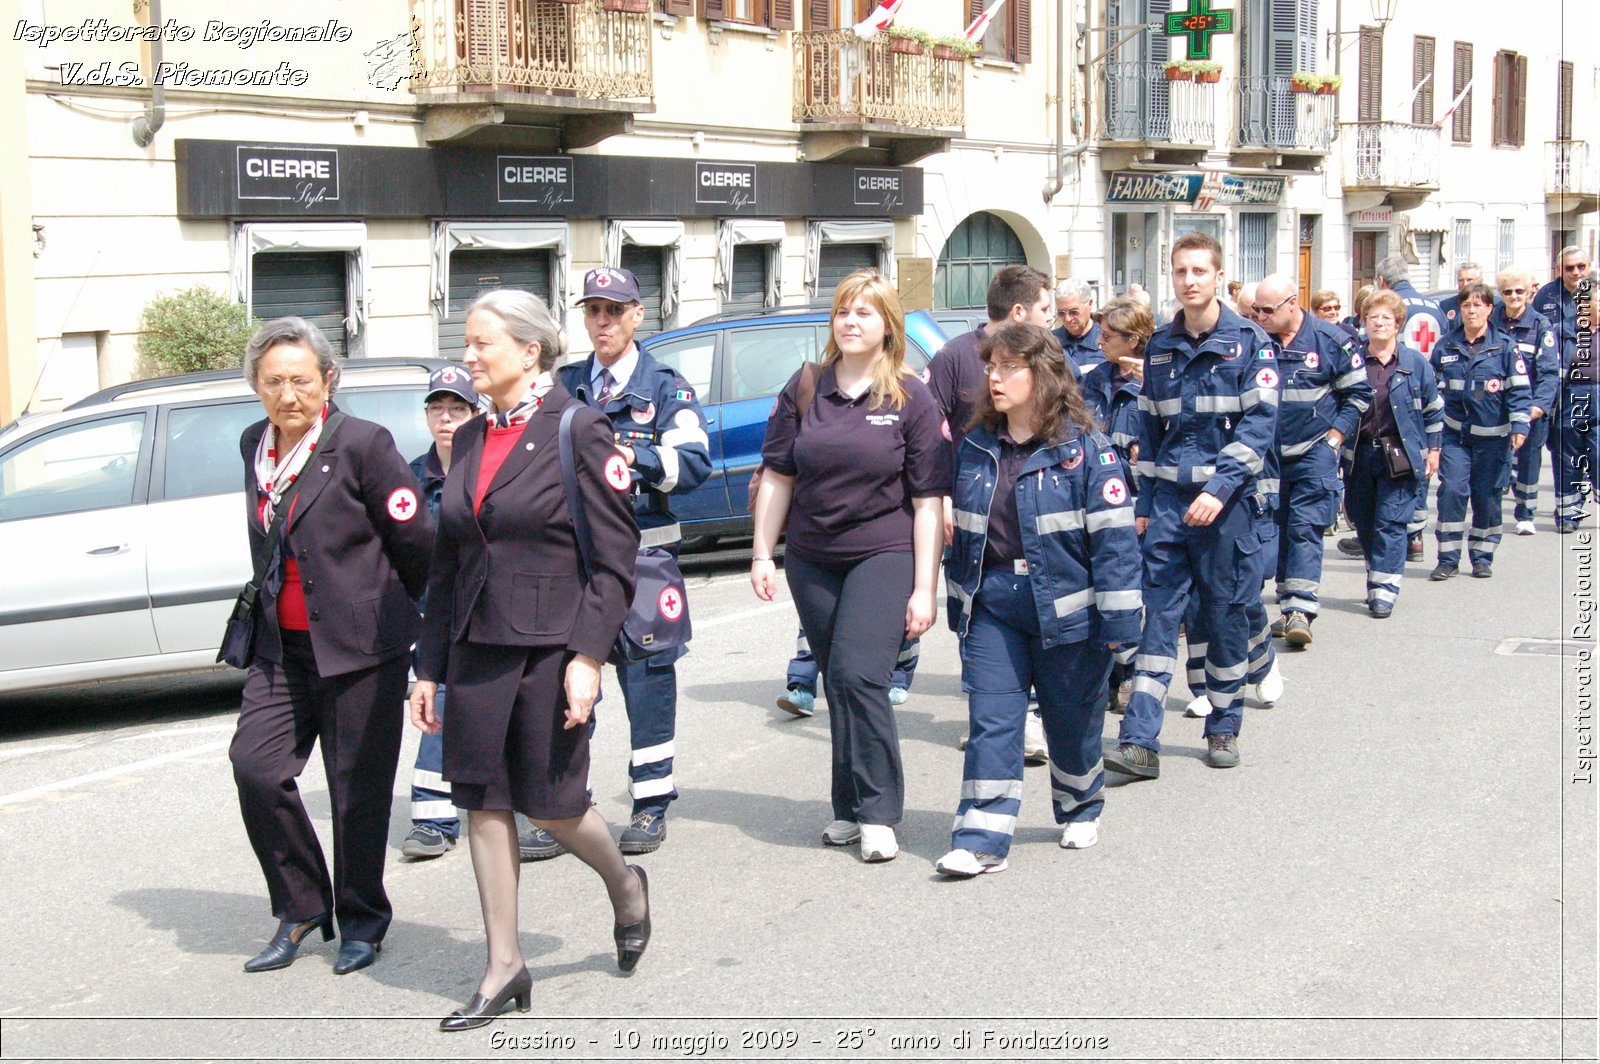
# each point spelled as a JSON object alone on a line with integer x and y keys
{"x": 609, "y": 282}
{"x": 452, "y": 380}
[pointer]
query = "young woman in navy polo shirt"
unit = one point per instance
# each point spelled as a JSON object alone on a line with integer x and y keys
{"x": 859, "y": 481}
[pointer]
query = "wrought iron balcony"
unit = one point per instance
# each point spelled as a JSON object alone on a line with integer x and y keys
{"x": 1396, "y": 158}
{"x": 531, "y": 55}
{"x": 1273, "y": 117}
{"x": 843, "y": 84}
{"x": 1142, "y": 107}
{"x": 1571, "y": 180}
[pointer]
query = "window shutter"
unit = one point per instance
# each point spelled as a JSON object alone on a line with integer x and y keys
{"x": 713, "y": 9}
{"x": 780, "y": 14}
{"x": 678, "y": 7}
{"x": 1461, "y": 120}
{"x": 1564, "y": 100}
{"x": 974, "y": 9}
{"x": 1305, "y": 29}
{"x": 819, "y": 15}
{"x": 1422, "y": 50}
{"x": 1370, "y": 102}
{"x": 1519, "y": 99}
{"x": 1283, "y": 39}
{"x": 1022, "y": 31}
{"x": 1498, "y": 102}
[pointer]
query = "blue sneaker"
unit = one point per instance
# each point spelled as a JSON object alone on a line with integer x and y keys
{"x": 898, "y": 696}
{"x": 797, "y": 700}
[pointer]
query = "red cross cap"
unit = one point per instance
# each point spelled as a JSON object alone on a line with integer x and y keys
{"x": 617, "y": 472}
{"x": 1114, "y": 492}
{"x": 602, "y": 280}
{"x": 402, "y": 504}
{"x": 670, "y": 603}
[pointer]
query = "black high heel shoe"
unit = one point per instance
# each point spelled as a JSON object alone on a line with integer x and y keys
{"x": 481, "y": 1011}
{"x": 281, "y": 950}
{"x": 633, "y": 938}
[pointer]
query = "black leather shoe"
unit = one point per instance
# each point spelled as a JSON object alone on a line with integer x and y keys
{"x": 645, "y": 832}
{"x": 1380, "y": 610}
{"x": 1481, "y": 570}
{"x": 1350, "y": 545}
{"x": 355, "y": 955}
{"x": 633, "y": 938}
{"x": 281, "y": 950}
{"x": 1131, "y": 760}
{"x": 1442, "y": 572}
{"x": 481, "y": 1011}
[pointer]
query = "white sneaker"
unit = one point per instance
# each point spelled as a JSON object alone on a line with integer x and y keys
{"x": 1200, "y": 707}
{"x": 964, "y": 864}
{"x": 1081, "y": 834}
{"x": 1525, "y": 528}
{"x": 1270, "y": 689}
{"x": 1035, "y": 751}
{"x": 841, "y": 833}
{"x": 878, "y": 843}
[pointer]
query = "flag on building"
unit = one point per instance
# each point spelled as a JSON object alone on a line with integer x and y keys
{"x": 980, "y": 25}
{"x": 879, "y": 20}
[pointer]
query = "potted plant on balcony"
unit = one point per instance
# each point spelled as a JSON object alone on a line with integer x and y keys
{"x": 1304, "y": 81}
{"x": 958, "y": 48}
{"x": 1178, "y": 70}
{"x": 1329, "y": 84}
{"x": 636, "y": 7}
{"x": 907, "y": 40}
{"x": 1209, "y": 73}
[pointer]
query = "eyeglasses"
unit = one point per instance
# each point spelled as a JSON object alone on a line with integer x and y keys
{"x": 1259, "y": 309}
{"x": 1330, "y": 306}
{"x": 593, "y": 308}
{"x": 1513, "y": 291}
{"x": 1004, "y": 370}
{"x": 274, "y": 385}
{"x": 459, "y": 411}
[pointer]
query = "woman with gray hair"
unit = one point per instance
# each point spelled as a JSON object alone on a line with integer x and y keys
{"x": 340, "y": 544}
{"x": 518, "y": 626}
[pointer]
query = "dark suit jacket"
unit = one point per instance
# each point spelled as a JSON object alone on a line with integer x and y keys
{"x": 510, "y": 575}
{"x": 362, "y": 568}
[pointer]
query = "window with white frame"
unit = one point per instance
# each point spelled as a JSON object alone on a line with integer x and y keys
{"x": 1505, "y": 256}
{"x": 1461, "y": 245}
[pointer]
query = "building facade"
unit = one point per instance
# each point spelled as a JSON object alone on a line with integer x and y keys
{"x": 374, "y": 170}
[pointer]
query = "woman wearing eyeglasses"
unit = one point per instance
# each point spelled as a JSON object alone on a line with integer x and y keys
{"x": 1535, "y": 337}
{"x": 1395, "y": 448}
{"x": 1044, "y": 586}
{"x": 338, "y": 527}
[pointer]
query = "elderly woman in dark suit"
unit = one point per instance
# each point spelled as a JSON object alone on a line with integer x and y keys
{"x": 334, "y": 626}
{"x": 518, "y": 631}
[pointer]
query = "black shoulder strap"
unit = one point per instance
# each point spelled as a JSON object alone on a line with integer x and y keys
{"x": 569, "y": 480}
{"x": 280, "y": 513}
{"x": 806, "y": 389}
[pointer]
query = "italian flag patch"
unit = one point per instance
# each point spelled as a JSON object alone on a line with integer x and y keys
{"x": 684, "y": 394}
{"x": 1107, "y": 458}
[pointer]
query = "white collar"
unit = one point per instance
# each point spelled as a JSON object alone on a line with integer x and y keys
{"x": 621, "y": 370}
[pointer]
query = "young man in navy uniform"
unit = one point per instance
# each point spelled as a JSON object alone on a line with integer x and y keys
{"x": 450, "y": 403}
{"x": 661, "y": 432}
{"x": 1323, "y": 394}
{"x": 1208, "y": 421}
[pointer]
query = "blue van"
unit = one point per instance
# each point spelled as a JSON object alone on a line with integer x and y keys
{"x": 737, "y": 363}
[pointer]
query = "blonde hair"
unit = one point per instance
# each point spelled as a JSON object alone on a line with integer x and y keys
{"x": 889, "y": 372}
{"x": 1385, "y": 298}
{"x": 1130, "y": 318}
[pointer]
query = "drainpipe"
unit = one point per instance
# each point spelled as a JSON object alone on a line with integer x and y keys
{"x": 145, "y": 126}
{"x": 1054, "y": 182}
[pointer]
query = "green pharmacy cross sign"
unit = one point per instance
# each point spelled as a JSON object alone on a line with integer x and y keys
{"x": 1198, "y": 23}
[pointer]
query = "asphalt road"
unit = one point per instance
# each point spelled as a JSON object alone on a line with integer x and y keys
{"x": 1403, "y": 867}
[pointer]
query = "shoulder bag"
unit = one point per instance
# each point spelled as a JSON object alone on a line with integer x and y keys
{"x": 658, "y": 617}
{"x": 239, "y": 636}
{"x": 805, "y": 392}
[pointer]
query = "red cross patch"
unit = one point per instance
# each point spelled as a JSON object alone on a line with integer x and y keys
{"x": 402, "y": 504}
{"x": 944, "y": 430}
{"x": 617, "y": 472}
{"x": 1355, "y": 360}
{"x": 1492, "y": 386}
{"x": 645, "y": 414}
{"x": 1522, "y": 367}
{"x": 1266, "y": 378}
{"x": 670, "y": 603}
{"x": 1115, "y": 492}
{"x": 1313, "y": 360}
{"x": 926, "y": 375}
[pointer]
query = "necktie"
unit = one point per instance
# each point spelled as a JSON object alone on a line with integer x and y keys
{"x": 606, "y": 381}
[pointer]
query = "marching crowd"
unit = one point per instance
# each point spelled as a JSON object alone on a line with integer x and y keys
{"x": 1092, "y": 492}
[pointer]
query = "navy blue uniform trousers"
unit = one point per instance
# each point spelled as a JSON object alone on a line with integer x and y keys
{"x": 1379, "y": 507}
{"x": 1477, "y": 469}
{"x": 1001, "y": 657}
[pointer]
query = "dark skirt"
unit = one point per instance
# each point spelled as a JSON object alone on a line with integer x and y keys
{"x": 504, "y": 744}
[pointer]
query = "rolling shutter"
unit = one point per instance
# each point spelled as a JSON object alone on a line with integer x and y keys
{"x": 1420, "y": 273}
{"x": 645, "y": 263}
{"x": 1255, "y": 229}
{"x": 307, "y": 285}
{"x": 839, "y": 261}
{"x": 473, "y": 272}
{"x": 748, "y": 286}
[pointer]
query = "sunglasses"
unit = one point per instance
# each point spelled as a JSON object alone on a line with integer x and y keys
{"x": 1259, "y": 309}
{"x": 1513, "y": 291}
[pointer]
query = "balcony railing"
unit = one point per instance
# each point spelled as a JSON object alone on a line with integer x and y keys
{"x": 1569, "y": 168}
{"x": 1274, "y": 116}
{"x": 1390, "y": 155}
{"x": 1142, "y": 106}
{"x": 838, "y": 77}
{"x": 544, "y": 46}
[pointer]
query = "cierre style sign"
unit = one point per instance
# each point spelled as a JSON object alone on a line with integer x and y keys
{"x": 543, "y": 179}
{"x": 303, "y": 175}
{"x": 733, "y": 184}
{"x": 877, "y": 188}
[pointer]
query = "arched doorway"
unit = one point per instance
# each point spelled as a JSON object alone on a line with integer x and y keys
{"x": 978, "y": 247}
